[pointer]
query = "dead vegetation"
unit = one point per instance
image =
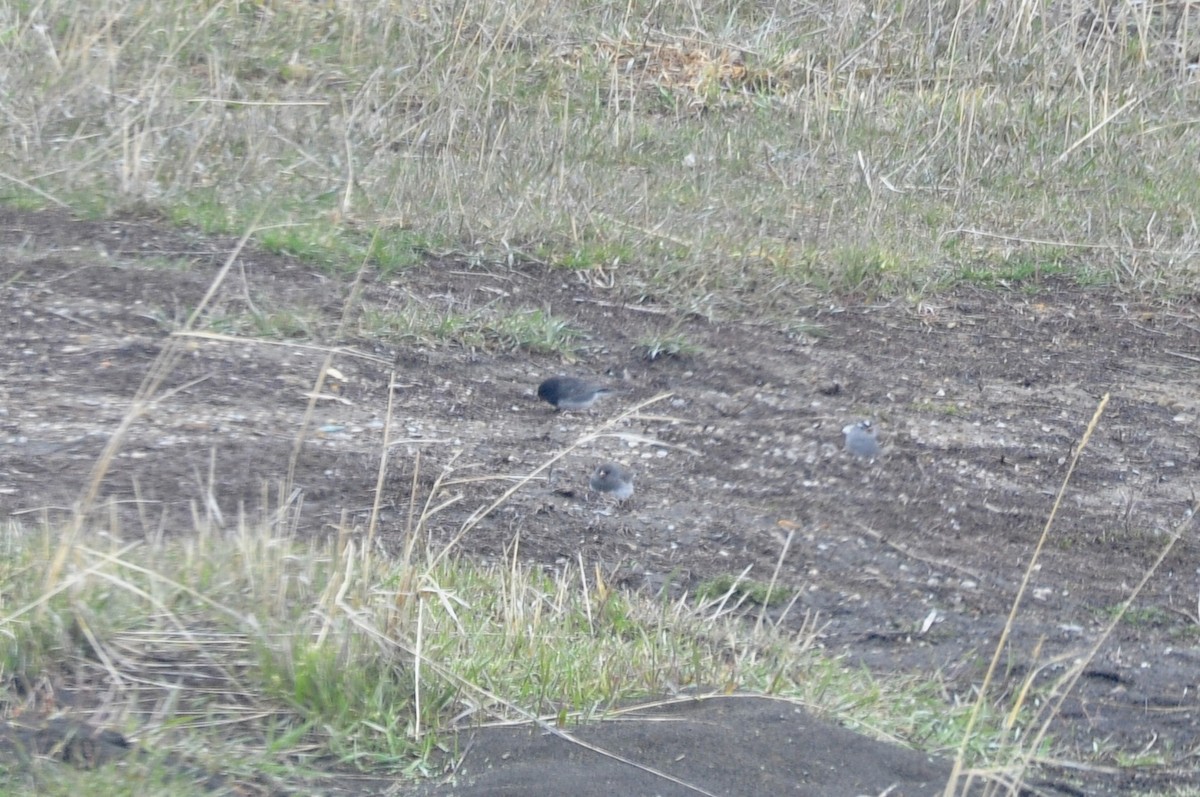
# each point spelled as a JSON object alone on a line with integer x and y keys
{"x": 723, "y": 162}
{"x": 723, "y": 159}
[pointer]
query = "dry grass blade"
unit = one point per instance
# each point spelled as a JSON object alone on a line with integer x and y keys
{"x": 381, "y": 474}
{"x": 1002, "y": 643}
{"x": 1066, "y": 684}
{"x": 341, "y": 351}
{"x": 1099, "y": 126}
{"x": 787, "y": 544}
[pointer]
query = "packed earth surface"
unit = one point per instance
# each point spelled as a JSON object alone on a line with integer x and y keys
{"x": 906, "y": 563}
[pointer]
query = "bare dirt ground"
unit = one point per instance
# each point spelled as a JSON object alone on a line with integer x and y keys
{"x": 911, "y": 562}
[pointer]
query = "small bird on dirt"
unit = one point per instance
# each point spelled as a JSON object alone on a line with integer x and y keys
{"x": 613, "y": 478}
{"x": 569, "y": 393}
{"x": 861, "y": 440}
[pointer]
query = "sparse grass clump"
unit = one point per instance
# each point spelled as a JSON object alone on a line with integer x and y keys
{"x": 669, "y": 346}
{"x": 532, "y": 331}
{"x": 730, "y": 588}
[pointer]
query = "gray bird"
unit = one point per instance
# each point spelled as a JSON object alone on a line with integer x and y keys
{"x": 613, "y": 478}
{"x": 861, "y": 440}
{"x": 569, "y": 393}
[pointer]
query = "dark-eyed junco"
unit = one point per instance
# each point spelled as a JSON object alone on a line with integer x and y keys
{"x": 861, "y": 440}
{"x": 569, "y": 393}
{"x": 613, "y": 478}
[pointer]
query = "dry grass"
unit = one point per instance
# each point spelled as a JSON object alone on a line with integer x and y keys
{"x": 725, "y": 159}
{"x": 724, "y": 156}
